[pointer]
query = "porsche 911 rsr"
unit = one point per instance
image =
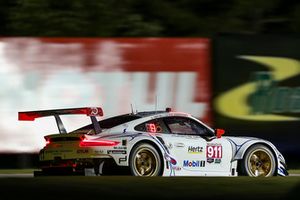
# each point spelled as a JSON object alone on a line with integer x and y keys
{"x": 153, "y": 143}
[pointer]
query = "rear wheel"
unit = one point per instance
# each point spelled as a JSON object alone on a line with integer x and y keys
{"x": 109, "y": 167}
{"x": 145, "y": 161}
{"x": 258, "y": 161}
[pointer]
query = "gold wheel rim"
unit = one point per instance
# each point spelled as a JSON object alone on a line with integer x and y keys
{"x": 260, "y": 163}
{"x": 145, "y": 162}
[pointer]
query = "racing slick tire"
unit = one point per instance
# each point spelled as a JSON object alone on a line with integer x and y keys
{"x": 258, "y": 160}
{"x": 145, "y": 161}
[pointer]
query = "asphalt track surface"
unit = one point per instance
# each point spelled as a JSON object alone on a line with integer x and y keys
{"x": 24, "y": 186}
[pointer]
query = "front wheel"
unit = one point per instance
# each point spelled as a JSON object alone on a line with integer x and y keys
{"x": 145, "y": 161}
{"x": 258, "y": 161}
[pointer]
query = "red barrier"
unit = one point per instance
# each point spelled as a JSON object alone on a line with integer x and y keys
{"x": 150, "y": 73}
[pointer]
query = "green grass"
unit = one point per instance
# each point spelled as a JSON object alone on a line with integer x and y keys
{"x": 16, "y": 171}
{"x": 294, "y": 171}
{"x": 126, "y": 187}
{"x": 120, "y": 187}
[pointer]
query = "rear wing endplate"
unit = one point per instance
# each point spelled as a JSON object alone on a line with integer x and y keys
{"x": 92, "y": 112}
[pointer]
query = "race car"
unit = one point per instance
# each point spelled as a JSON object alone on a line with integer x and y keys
{"x": 152, "y": 143}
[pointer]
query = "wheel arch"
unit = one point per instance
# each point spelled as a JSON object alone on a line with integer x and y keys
{"x": 155, "y": 145}
{"x": 240, "y": 155}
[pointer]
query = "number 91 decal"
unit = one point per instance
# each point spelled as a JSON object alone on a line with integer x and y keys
{"x": 214, "y": 151}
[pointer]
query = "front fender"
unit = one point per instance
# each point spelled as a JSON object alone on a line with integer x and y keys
{"x": 241, "y": 145}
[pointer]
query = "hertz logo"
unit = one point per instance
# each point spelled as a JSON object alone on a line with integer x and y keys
{"x": 195, "y": 150}
{"x": 234, "y": 103}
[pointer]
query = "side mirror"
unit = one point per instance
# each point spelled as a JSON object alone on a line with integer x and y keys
{"x": 219, "y": 132}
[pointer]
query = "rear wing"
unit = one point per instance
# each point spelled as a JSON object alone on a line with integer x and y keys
{"x": 92, "y": 112}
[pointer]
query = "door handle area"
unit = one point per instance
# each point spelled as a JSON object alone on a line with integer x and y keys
{"x": 179, "y": 144}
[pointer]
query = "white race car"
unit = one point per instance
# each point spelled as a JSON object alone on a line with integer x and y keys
{"x": 153, "y": 143}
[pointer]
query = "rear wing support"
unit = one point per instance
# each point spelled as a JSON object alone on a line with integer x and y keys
{"x": 60, "y": 124}
{"x": 92, "y": 112}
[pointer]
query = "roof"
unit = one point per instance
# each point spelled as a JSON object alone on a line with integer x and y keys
{"x": 149, "y": 113}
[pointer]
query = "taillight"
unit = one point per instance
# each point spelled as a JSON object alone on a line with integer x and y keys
{"x": 91, "y": 143}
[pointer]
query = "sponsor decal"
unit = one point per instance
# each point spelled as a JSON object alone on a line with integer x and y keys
{"x": 193, "y": 163}
{"x": 280, "y": 100}
{"x": 210, "y": 160}
{"x": 218, "y": 160}
{"x": 170, "y": 159}
{"x": 94, "y": 111}
{"x": 116, "y": 152}
{"x": 169, "y": 145}
{"x": 58, "y": 151}
{"x": 82, "y": 151}
{"x": 195, "y": 150}
{"x": 98, "y": 151}
{"x": 176, "y": 168}
{"x": 179, "y": 145}
{"x": 120, "y": 147}
{"x": 214, "y": 151}
{"x": 123, "y": 159}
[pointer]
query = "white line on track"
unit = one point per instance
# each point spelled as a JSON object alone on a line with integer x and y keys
{"x": 294, "y": 174}
{"x": 16, "y": 175}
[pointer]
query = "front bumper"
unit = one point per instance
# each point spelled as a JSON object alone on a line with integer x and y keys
{"x": 282, "y": 169}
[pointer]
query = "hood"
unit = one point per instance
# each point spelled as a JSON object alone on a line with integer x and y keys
{"x": 239, "y": 140}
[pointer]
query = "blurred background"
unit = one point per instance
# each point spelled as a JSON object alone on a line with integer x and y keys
{"x": 234, "y": 64}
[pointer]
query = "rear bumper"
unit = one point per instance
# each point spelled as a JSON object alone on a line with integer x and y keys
{"x": 75, "y": 164}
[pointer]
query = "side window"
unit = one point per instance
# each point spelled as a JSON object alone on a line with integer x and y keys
{"x": 182, "y": 125}
{"x": 152, "y": 126}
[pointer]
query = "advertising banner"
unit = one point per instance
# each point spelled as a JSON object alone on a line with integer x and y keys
{"x": 117, "y": 74}
{"x": 257, "y": 88}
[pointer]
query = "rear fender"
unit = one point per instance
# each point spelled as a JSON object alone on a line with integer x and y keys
{"x": 147, "y": 139}
{"x": 134, "y": 139}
